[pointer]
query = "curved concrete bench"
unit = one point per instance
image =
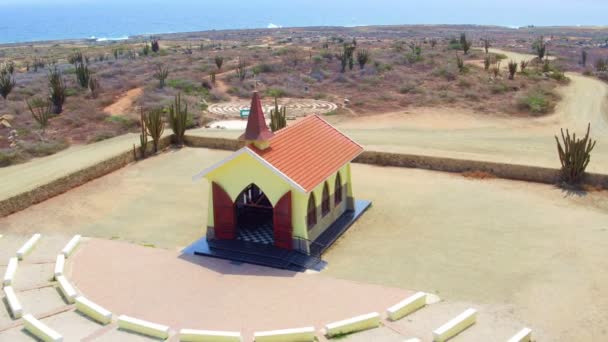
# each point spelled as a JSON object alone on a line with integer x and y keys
{"x": 71, "y": 246}
{"x": 11, "y": 269}
{"x": 524, "y": 335}
{"x": 406, "y": 306}
{"x": 59, "y": 265}
{"x": 143, "y": 327}
{"x": 40, "y": 330}
{"x": 92, "y": 310}
{"x": 455, "y": 326}
{"x": 13, "y": 303}
{"x": 28, "y": 246}
{"x": 67, "y": 289}
{"x": 287, "y": 335}
{"x": 347, "y": 326}
{"x": 191, "y": 335}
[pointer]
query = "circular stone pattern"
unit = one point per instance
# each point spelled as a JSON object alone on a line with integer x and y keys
{"x": 295, "y": 107}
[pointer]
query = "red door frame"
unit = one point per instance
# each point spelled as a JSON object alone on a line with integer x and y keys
{"x": 281, "y": 221}
{"x": 223, "y": 214}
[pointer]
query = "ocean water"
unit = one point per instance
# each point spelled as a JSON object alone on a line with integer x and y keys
{"x": 35, "y": 20}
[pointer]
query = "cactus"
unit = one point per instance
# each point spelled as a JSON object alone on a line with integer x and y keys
{"x": 584, "y": 58}
{"x": 57, "y": 90}
{"x": 155, "y": 126}
{"x": 155, "y": 46}
{"x": 178, "y": 118}
{"x": 540, "y": 48}
{"x": 7, "y": 81}
{"x": 94, "y": 87}
{"x": 523, "y": 65}
{"x": 487, "y": 61}
{"x": 574, "y": 156}
{"x": 486, "y": 45}
{"x": 41, "y": 111}
{"x": 465, "y": 44}
{"x": 512, "y": 69}
{"x": 241, "y": 71}
{"x": 219, "y": 60}
{"x": 161, "y": 74}
{"x": 83, "y": 74}
{"x": 143, "y": 135}
{"x": 362, "y": 58}
{"x": 278, "y": 117}
{"x": 460, "y": 64}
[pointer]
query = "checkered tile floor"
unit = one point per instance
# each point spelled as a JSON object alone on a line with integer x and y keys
{"x": 259, "y": 234}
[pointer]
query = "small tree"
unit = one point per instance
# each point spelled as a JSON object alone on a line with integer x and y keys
{"x": 433, "y": 43}
{"x": 41, "y": 111}
{"x": 219, "y": 60}
{"x": 7, "y": 81}
{"x": 486, "y": 45}
{"x": 574, "y": 155}
{"x": 155, "y": 46}
{"x": 57, "y": 90}
{"x": 487, "y": 61}
{"x": 241, "y": 71}
{"x": 146, "y": 49}
{"x": 540, "y": 47}
{"x": 278, "y": 117}
{"x": 362, "y": 58}
{"x": 584, "y": 58}
{"x": 460, "y": 64}
{"x": 178, "y": 117}
{"x": 155, "y": 126}
{"x": 496, "y": 69}
{"x": 512, "y": 69}
{"x": 161, "y": 74}
{"x": 94, "y": 87}
{"x": 343, "y": 58}
{"x": 465, "y": 44}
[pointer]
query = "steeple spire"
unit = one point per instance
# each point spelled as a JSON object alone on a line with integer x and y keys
{"x": 257, "y": 131}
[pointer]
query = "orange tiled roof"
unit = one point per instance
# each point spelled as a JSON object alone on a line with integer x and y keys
{"x": 309, "y": 151}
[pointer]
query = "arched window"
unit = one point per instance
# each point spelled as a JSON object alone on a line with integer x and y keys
{"x": 311, "y": 216}
{"x": 338, "y": 191}
{"x": 325, "y": 203}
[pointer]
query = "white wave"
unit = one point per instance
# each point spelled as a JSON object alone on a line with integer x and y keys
{"x": 105, "y": 39}
{"x": 273, "y": 26}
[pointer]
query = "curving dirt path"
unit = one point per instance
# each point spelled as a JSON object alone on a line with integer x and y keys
{"x": 124, "y": 104}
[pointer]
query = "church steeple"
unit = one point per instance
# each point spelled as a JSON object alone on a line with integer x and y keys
{"x": 257, "y": 132}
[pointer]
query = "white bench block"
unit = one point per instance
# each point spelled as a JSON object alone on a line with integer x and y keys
{"x": 13, "y": 302}
{"x": 71, "y": 246}
{"x": 455, "y": 325}
{"x": 287, "y": 335}
{"x": 92, "y": 310}
{"x": 59, "y": 265}
{"x": 40, "y": 330}
{"x": 143, "y": 327}
{"x": 11, "y": 269}
{"x": 524, "y": 335}
{"x": 406, "y": 306}
{"x": 363, "y": 322}
{"x": 28, "y": 246}
{"x": 191, "y": 335}
{"x": 67, "y": 289}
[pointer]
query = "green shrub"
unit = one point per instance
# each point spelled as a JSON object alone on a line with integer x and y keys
{"x": 44, "y": 148}
{"x": 262, "y": 68}
{"x": 276, "y": 92}
{"x": 186, "y": 86}
{"x": 536, "y": 102}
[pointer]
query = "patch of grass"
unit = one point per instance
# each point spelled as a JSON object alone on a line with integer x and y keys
{"x": 102, "y": 136}
{"x": 536, "y": 102}
{"x": 276, "y": 92}
{"x": 186, "y": 86}
{"x": 44, "y": 148}
{"x": 123, "y": 121}
{"x": 499, "y": 88}
{"x": 10, "y": 157}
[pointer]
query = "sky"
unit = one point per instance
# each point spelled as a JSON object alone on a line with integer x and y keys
{"x": 28, "y": 20}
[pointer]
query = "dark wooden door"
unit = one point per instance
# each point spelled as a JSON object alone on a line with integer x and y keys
{"x": 281, "y": 219}
{"x": 223, "y": 214}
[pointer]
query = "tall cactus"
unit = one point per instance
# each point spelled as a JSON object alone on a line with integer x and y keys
{"x": 143, "y": 135}
{"x": 574, "y": 155}
{"x": 278, "y": 117}
{"x": 155, "y": 126}
{"x": 178, "y": 118}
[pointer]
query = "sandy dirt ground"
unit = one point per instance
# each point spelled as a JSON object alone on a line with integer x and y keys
{"x": 526, "y": 250}
{"x": 125, "y": 103}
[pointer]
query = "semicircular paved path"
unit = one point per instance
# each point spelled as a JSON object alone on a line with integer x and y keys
{"x": 297, "y": 107}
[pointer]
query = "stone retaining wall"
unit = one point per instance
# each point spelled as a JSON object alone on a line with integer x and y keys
{"x": 67, "y": 182}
